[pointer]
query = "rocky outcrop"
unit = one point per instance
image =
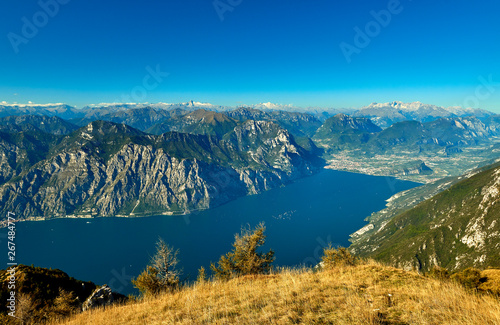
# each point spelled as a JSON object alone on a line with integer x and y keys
{"x": 101, "y": 297}
{"x": 412, "y": 168}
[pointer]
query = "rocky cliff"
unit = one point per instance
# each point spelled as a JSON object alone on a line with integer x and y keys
{"x": 107, "y": 169}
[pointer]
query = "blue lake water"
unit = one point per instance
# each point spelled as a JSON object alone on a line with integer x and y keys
{"x": 301, "y": 219}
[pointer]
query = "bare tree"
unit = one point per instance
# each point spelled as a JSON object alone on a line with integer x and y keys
{"x": 162, "y": 273}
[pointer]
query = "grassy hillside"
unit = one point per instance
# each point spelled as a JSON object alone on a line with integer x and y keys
{"x": 456, "y": 229}
{"x": 41, "y": 293}
{"x": 369, "y": 293}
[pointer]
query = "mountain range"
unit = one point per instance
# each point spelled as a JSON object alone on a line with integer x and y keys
{"x": 131, "y": 160}
{"x": 386, "y": 114}
{"x": 342, "y": 132}
{"x": 382, "y": 114}
{"x": 415, "y": 126}
{"x": 109, "y": 169}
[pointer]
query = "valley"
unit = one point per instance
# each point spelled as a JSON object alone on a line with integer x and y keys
{"x": 423, "y": 167}
{"x": 429, "y": 189}
{"x": 181, "y": 159}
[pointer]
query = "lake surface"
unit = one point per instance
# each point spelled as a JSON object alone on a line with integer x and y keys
{"x": 301, "y": 219}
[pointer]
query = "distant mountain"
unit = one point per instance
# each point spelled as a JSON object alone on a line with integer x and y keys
{"x": 448, "y": 134}
{"x": 21, "y": 148}
{"x": 477, "y": 112}
{"x": 493, "y": 123}
{"x": 299, "y": 124}
{"x": 197, "y": 122}
{"x": 386, "y": 114}
{"x": 320, "y": 112}
{"x": 185, "y": 118}
{"x": 47, "y": 124}
{"x": 342, "y": 123}
{"x": 343, "y": 131}
{"x": 248, "y": 113}
{"x": 139, "y": 118}
{"x": 193, "y": 106}
{"x": 27, "y": 139}
{"x": 106, "y": 169}
{"x": 187, "y": 106}
{"x": 436, "y": 135}
{"x": 456, "y": 229}
{"x": 61, "y": 110}
{"x": 383, "y": 114}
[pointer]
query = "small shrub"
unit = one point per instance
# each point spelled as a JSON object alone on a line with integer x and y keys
{"x": 65, "y": 304}
{"x": 337, "y": 257}
{"x": 439, "y": 273}
{"x": 202, "y": 276}
{"x": 469, "y": 278}
{"x": 244, "y": 258}
{"x": 148, "y": 282}
{"x": 26, "y": 311}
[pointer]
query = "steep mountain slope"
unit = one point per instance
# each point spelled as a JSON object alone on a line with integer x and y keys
{"x": 107, "y": 169}
{"x": 493, "y": 123}
{"x": 457, "y": 228}
{"x": 21, "y": 148}
{"x": 43, "y": 285}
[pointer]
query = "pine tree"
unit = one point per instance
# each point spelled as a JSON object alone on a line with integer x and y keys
{"x": 244, "y": 258}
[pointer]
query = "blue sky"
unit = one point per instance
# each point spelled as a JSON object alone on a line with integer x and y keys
{"x": 283, "y": 51}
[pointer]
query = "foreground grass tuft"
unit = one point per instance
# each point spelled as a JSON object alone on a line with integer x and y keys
{"x": 368, "y": 293}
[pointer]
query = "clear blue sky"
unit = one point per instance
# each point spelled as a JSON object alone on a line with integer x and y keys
{"x": 283, "y": 51}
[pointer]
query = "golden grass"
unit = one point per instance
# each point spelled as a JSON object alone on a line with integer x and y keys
{"x": 493, "y": 281}
{"x": 366, "y": 294}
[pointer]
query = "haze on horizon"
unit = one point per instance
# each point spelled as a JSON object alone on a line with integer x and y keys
{"x": 326, "y": 54}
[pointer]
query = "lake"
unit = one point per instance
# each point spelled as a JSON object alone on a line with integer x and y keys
{"x": 301, "y": 219}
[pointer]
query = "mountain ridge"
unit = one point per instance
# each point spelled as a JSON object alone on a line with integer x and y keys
{"x": 456, "y": 229}
{"x": 109, "y": 169}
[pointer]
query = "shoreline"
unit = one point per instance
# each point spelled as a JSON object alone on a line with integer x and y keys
{"x": 3, "y": 223}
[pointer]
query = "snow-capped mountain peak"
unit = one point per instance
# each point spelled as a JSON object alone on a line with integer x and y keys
{"x": 385, "y": 114}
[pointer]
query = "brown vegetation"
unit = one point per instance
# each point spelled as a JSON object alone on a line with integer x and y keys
{"x": 368, "y": 293}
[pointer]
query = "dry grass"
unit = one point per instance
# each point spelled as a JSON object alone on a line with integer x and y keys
{"x": 365, "y": 294}
{"x": 493, "y": 281}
